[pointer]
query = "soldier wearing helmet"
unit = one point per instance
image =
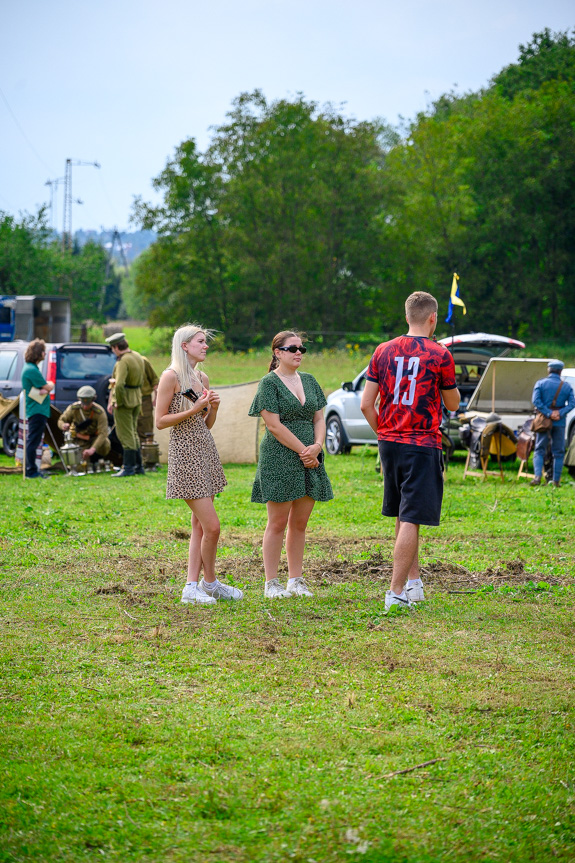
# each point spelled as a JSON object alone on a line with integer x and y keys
{"x": 88, "y": 423}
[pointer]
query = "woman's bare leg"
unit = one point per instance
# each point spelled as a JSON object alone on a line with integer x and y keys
{"x": 295, "y": 540}
{"x": 203, "y": 509}
{"x": 278, "y": 514}
{"x": 195, "y": 551}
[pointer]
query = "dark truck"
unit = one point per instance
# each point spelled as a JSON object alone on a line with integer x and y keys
{"x": 69, "y": 365}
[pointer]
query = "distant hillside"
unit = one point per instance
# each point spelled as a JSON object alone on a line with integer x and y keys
{"x": 134, "y": 243}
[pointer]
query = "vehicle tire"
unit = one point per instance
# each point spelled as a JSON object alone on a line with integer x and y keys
{"x": 10, "y": 435}
{"x": 102, "y": 393}
{"x": 335, "y": 437}
{"x": 571, "y": 468}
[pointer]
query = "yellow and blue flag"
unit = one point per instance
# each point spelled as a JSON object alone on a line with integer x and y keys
{"x": 454, "y": 299}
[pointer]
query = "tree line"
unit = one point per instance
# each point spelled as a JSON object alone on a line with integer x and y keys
{"x": 297, "y": 215}
{"x": 32, "y": 261}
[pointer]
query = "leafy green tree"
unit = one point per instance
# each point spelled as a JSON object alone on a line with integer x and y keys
{"x": 26, "y": 257}
{"x": 298, "y": 216}
{"x": 548, "y": 57}
{"x": 33, "y": 262}
{"x": 273, "y": 226}
{"x": 483, "y": 185}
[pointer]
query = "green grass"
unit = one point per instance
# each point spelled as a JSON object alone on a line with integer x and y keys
{"x": 135, "y": 728}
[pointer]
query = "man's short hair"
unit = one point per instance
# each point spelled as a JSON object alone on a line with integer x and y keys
{"x": 419, "y": 306}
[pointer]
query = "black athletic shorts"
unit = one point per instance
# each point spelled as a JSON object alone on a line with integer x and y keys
{"x": 413, "y": 482}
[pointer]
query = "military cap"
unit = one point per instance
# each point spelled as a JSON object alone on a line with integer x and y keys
{"x": 86, "y": 392}
{"x": 555, "y": 365}
{"x": 115, "y": 339}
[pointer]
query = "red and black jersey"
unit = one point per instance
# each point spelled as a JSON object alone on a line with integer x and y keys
{"x": 411, "y": 371}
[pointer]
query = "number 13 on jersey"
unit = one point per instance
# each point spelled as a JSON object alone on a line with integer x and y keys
{"x": 411, "y": 373}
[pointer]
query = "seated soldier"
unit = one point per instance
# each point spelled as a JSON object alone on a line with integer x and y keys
{"x": 88, "y": 423}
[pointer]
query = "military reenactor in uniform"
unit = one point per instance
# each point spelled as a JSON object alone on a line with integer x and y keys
{"x": 88, "y": 424}
{"x": 149, "y": 387}
{"x": 126, "y": 400}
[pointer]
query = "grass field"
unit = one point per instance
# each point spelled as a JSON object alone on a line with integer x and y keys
{"x": 138, "y": 729}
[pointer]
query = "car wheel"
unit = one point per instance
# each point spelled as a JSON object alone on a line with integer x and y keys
{"x": 10, "y": 435}
{"x": 571, "y": 468}
{"x": 335, "y": 439}
{"x": 101, "y": 385}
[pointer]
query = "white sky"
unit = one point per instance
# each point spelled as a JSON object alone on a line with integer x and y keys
{"x": 123, "y": 82}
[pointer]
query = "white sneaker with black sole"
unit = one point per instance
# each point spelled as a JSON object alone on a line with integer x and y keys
{"x": 392, "y": 599}
{"x": 274, "y": 589}
{"x": 217, "y": 590}
{"x": 193, "y": 593}
{"x": 415, "y": 591}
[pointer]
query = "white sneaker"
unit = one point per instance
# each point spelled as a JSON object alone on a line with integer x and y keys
{"x": 274, "y": 590}
{"x": 392, "y": 599}
{"x": 217, "y": 590}
{"x": 298, "y": 588}
{"x": 193, "y": 593}
{"x": 415, "y": 592}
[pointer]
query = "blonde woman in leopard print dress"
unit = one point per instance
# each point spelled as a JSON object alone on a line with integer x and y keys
{"x": 195, "y": 472}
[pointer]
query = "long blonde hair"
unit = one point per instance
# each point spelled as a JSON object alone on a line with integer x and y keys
{"x": 179, "y": 363}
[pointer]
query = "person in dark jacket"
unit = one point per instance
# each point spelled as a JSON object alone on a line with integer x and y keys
{"x": 545, "y": 392}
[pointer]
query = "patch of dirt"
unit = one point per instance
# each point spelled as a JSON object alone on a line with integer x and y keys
{"x": 338, "y": 564}
{"x": 378, "y": 567}
{"x": 112, "y": 589}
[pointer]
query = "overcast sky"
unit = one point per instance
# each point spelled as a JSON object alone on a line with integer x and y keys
{"x": 124, "y": 82}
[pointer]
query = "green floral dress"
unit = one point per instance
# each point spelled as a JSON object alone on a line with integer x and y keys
{"x": 280, "y": 474}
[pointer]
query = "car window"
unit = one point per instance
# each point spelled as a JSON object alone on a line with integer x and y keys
{"x": 7, "y": 364}
{"x": 82, "y": 365}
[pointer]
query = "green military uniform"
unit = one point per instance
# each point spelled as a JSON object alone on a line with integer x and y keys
{"x": 88, "y": 426}
{"x": 127, "y": 397}
{"x": 146, "y": 417}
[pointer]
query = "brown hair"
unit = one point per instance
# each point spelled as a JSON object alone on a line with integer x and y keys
{"x": 122, "y": 345}
{"x": 34, "y": 351}
{"x": 279, "y": 341}
{"x": 419, "y": 306}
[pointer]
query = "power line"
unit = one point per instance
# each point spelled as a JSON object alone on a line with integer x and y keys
{"x": 23, "y": 133}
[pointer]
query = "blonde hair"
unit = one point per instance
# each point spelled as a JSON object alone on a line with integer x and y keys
{"x": 179, "y": 363}
{"x": 419, "y": 306}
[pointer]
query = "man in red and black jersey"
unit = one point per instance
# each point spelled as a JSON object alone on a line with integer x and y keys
{"x": 411, "y": 375}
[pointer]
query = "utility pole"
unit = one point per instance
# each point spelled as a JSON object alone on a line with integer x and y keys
{"x": 116, "y": 236}
{"x": 67, "y": 232}
{"x": 53, "y": 189}
{"x": 53, "y": 199}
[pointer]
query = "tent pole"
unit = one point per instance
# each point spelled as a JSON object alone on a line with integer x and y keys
{"x": 493, "y": 389}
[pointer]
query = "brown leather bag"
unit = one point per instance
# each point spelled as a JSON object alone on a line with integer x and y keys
{"x": 541, "y": 423}
{"x": 525, "y": 441}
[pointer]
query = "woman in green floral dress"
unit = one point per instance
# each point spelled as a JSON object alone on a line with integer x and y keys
{"x": 291, "y": 475}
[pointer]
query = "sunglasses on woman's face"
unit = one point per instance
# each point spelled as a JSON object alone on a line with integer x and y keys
{"x": 293, "y": 349}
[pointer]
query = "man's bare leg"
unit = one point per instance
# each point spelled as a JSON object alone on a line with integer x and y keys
{"x": 405, "y": 555}
{"x": 414, "y": 571}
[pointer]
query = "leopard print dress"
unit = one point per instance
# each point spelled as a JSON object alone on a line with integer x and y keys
{"x": 194, "y": 466}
